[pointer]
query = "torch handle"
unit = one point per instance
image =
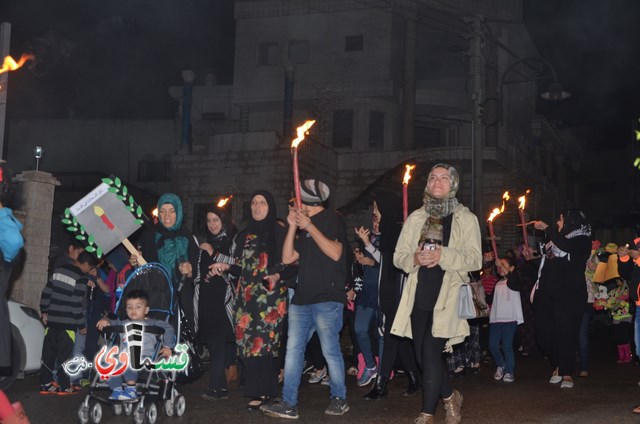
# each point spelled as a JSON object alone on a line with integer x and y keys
{"x": 296, "y": 178}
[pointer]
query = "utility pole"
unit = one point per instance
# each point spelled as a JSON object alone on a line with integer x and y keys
{"x": 478, "y": 127}
{"x": 5, "y": 40}
{"x": 409, "y": 81}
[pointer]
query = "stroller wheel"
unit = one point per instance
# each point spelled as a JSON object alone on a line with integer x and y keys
{"x": 138, "y": 413}
{"x": 167, "y": 407}
{"x": 83, "y": 413}
{"x": 128, "y": 408}
{"x": 180, "y": 405}
{"x": 95, "y": 411}
{"x": 117, "y": 409}
{"x": 150, "y": 412}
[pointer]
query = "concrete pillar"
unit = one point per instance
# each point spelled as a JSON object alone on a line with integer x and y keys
{"x": 35, "y": 198}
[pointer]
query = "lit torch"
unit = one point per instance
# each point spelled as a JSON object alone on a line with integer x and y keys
{"x": 224, "y": 201}
{"x": 405, "y": 189}
{"x": 523, "y": 200}
{"x": 496, "y": 212}
{"x": 154, "y": 213}
{"x": 10, "y": 64}
{"x": 301, "y": 131}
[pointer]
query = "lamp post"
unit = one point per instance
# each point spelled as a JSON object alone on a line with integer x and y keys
{"x": 531, "y": 69}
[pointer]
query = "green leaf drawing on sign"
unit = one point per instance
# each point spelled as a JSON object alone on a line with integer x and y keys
{"x": 72, "y": 229}
{"x": 80, "y": 237}
{"x": 99, "y": 252}
{"x": 117, "y": 182}
{"x": 139, "y": 211}
{"x": 90, "y": 249}
{"x": 66, "y": 221}
{"x": 113, "y": 189}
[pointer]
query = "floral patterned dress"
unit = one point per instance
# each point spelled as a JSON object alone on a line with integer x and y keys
{"x": 260, "y": 309}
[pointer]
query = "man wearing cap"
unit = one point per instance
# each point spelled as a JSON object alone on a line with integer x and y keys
{"x": 319, "y": 297}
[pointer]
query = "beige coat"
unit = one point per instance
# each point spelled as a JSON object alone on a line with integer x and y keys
{"x": 463, "y": 254}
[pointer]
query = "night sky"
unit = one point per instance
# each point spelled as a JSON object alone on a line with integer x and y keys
{"x": 113, "y": 58}
{"x": 116, "y": 58}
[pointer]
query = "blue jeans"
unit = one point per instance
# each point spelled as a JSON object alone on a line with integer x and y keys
{"x": 502, "y": 333}
{"x": 364, "y": 318}
{"x": 325, "y": 319}
{"x": 583, "y": 340}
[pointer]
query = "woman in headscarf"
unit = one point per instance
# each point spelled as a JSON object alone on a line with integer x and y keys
{"x": 438, "y": 245}
{"x": 215, "y": 300}
{"x": 261, "y": 298}
{"x": 170, "y": 243}
{"x": 388, "y": 208}
{"x": 561, "y": 293}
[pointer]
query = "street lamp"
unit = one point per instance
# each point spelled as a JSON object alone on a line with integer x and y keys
{"x": 531, "y": 69}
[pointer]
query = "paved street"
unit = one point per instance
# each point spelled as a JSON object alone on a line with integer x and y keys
{"x": 607, "y": 396}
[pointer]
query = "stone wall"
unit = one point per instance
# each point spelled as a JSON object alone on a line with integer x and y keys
{"x": 35, "y": 201}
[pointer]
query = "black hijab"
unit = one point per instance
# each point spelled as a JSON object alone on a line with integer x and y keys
{"x": 266, "y": 228}
{"x": 227, "y": 232}
{"x": 390, "y": 207}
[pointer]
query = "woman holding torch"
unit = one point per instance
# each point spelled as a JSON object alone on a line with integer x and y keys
{"x": 438, "y": 245}
{"x": 561, "y": 294}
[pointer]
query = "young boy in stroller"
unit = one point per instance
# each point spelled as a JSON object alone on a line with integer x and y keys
{"x": 137, "y": 309}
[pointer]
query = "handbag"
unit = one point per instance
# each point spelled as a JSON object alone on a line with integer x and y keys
{"x": 466, "y": 307}
{"x": 479, "y": 299}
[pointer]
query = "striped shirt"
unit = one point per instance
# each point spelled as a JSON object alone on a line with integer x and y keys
{"x": 62, "y": 298}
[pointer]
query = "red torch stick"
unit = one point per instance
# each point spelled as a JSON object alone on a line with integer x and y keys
{"x": 301, "y": 131}
{"x": 405, "y": 189}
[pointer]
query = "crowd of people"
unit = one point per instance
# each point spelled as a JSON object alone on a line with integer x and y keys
{"x": 272, "y": 298}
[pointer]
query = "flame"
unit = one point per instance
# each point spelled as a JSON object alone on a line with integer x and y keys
{"x": 523, "y": 199}
{"x": 224, "y": 201}
{"x": 407, "y": 174}
{"x": 495, "y": 213}
{"x": 301, "y": 131}
{"x": 155, "y": 212}
{"x": 98, "y": 210}
{"x": 505, "y": 198}
{"x": 11, "y": 65}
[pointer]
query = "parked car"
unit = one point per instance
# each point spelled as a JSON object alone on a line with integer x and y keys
{"x": 27, "y": 335}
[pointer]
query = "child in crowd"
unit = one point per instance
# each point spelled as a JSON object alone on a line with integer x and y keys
{"x": 137, "y": 305}
{"x": 506, "y": 314}
{"x": 62, "y": 312}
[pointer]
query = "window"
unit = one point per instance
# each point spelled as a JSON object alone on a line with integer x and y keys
{"x": 353, "y": 43}
{"x": 376, "y": 130}
{"x": 269, "y": 54}
{"x": 427, "y": 137}
{"x": 299, "y": 52}
{"x": 154, "y": 170}
{"x": 342, "y": 128}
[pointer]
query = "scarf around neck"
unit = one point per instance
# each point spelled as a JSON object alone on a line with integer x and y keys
{"x": 437, "y": 210}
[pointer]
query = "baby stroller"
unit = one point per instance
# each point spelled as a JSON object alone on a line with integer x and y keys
{"x": 156, "y": 386}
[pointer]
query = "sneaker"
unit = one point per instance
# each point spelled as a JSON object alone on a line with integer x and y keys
{"x": 566, "y": 384}
{"x": 555, "y": 378}
{"x": 49, "y": 388}
{"x": 72, "y": 390}
{"x": 317, "y": 378}
{"x": 367, "y": 375}
{"x": 215, "y": 394}
{"x": 337, "y": 406}
{"x": 116, "y": 393}
{"x": 499, "y": 374}
{"x": 508, "y": 378}
{"x": 326, "y": 381}
{"x": 128, "y": 393}
{"x": 352, "y": 370}
{"x": 280, "y": 410}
